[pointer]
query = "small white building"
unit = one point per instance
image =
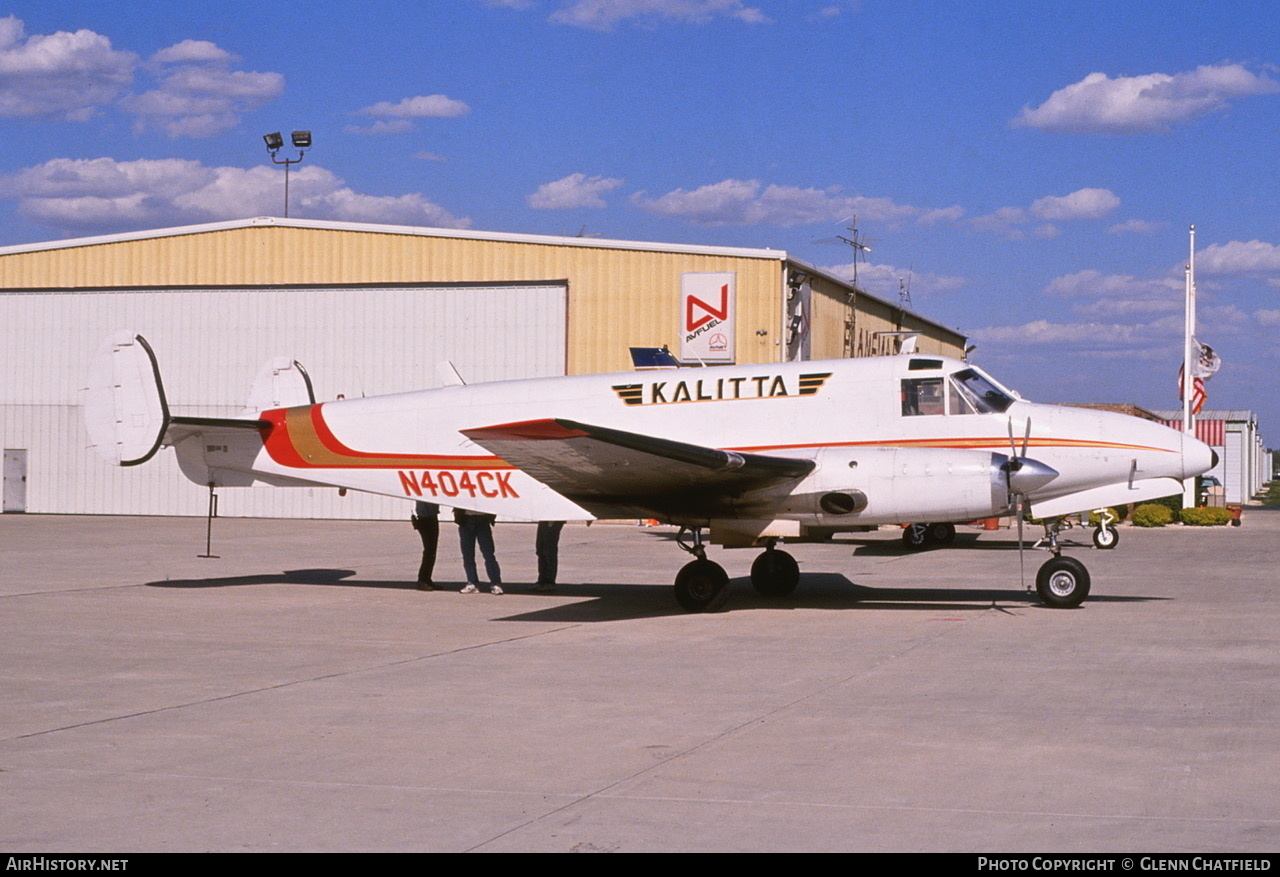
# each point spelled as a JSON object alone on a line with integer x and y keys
{"x": 1243, "y": 462}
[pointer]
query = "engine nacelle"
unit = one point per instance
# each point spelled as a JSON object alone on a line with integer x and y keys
{"x": 853, "y": 486}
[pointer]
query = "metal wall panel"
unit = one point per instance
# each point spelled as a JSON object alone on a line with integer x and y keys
{"x": 211, "y": 344}
{"x": 620, "y": 296}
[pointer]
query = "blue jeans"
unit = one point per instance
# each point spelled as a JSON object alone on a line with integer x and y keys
{"x": 473, "y": 530}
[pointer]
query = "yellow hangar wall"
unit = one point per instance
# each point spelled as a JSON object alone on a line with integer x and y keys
{"x": 617, "y": 296}
{"x": 849, "y": 323}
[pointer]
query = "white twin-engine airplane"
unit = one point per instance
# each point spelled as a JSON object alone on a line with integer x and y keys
{"x": 752, "y": 454}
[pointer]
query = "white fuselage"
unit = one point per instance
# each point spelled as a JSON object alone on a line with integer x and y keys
{"x": 911, "y": 438}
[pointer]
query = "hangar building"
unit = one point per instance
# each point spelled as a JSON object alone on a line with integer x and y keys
{"x": 374, "y": 309}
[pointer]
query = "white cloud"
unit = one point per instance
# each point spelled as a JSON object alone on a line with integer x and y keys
{"x": 88, "y": 196}
{"x": 1003, "y": 220}
{"x": 1145, "y": 104}
{"x": 199, "y": 95}
{"x": 1072, "y": 339}
{"x": 424, "y": 106}
{"x": 382, "y": 126}
{"x": 1097, "y": 295}
{"x": 575, "y": 190}
{"x": 1135, "y": 226}
{"x": 1239, "y": 257}
{"x": 1011, "y": 222}
{"x": 1080, "y": 204}
{"x": 62, "y": 74}
{"x": 608, "y": 14}
{"x": 189, "y": 51}
{"x": 941, "y": 214}
{"x": 886, "y": 280}
{"x": 749, "y": 202}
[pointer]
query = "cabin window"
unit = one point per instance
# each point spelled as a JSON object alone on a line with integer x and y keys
{"x": 922, "y": 396}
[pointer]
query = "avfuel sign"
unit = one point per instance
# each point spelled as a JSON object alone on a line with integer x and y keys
{"x": 707, "y": 316}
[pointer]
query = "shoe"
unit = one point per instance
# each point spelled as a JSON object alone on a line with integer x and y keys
{"x": 426, "y": 586}
{"x": 496, "y": 589}
{"x": 470, "y": 589}
{"x": 545, "y": 587}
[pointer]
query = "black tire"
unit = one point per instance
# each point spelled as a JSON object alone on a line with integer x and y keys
{"x": 1106, "y": 538}
{"x": 1062, "y": 583}
{"x": 702, "y": 586}
{"x": 942, "y": 534}
{"x": 916, "y": 537}
{"x": 775, "y": 573}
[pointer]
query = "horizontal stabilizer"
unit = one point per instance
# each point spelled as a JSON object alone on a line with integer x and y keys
{"x": 1109, "y": 495}
{"x": 125, "y": 411}
{"x": 597, "y": 466}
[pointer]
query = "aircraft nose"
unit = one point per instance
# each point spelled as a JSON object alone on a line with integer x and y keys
{"x": 1197, "y": 457}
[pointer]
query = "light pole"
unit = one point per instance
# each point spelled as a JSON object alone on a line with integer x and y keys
{"x": 301, "y": 142}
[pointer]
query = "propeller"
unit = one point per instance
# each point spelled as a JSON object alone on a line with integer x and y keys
{"x": 1023, "y": 475}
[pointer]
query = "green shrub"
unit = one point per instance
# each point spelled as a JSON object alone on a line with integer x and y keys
{"x": 1152, "y": 514}
{"x": 1206, "y": 517}
{"x": 1172, "y": 503}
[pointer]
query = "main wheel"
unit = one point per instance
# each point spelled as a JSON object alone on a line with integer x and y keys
{"x": 1106, "y": 537}
{"x": 916, "y": 536}
{"x": 775, "y": 573}
{"x": 942, "y": 534}
{"x": 702, "y": 586}
{"x": 1062, "y": 583}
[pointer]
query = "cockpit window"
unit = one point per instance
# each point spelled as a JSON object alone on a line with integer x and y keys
{"x": 973, "y": 393}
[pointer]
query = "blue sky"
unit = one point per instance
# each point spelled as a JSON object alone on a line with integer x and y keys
{"x": 1030, "y": 167}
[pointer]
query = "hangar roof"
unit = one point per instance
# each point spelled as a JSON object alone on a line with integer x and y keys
{"x": 460, "y": 233}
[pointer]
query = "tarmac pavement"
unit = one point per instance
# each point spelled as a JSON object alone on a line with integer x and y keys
{"x": 298, "y": 694}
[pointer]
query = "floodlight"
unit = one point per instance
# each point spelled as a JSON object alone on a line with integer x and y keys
{"x": 302, "y": 139}
{"x": 274, "y": 141}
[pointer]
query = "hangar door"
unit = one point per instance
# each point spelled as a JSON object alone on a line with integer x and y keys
{"x": 353, "y": 340}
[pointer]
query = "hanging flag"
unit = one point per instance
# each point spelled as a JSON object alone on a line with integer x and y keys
{"x": 1206, "y": 363}
{"x": 1204, "y": 366}
{"x": 1198, "y": 394}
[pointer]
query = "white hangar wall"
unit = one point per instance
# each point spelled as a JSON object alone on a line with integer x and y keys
{"x": 212, "y": 342}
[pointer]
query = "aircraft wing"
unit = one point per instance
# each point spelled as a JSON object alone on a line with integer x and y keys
{"x": 1112, "y": 494}
{"x": 613, "y": 473}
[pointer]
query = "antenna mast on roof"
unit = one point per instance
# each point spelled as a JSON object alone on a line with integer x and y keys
{"x": 854, "y": 241}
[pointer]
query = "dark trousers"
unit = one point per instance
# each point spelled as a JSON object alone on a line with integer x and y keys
{"x": 428, "y": 527}
{"x": 547, "y": 546}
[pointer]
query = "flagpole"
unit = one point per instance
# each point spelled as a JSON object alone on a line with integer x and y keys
{"x": 1188, "y": 374}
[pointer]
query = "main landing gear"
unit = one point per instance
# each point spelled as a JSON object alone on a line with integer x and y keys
{"x": 703, "y": 586}
{"x": 1062, "y": 582}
